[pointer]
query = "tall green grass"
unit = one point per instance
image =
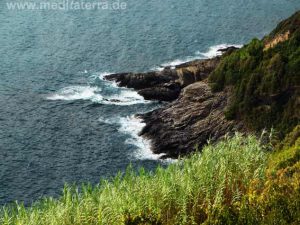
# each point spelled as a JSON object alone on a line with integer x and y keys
{"x": 188, "y": 192}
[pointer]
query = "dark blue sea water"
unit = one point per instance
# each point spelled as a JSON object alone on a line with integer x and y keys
{"x": 59, "y": 121}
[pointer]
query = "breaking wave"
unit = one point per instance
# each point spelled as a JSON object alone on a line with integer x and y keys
{"x": 105, "y": 93}
{"x": 212, "y": 52}
{"x": 132, "y": 126}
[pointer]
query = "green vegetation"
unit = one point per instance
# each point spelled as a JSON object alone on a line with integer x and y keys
{"x": 237, "y": 181}
{"x": 264, "y": 77}
{"x": 191, "y": 191}
{"x": 240, "y": 180}
{"x": 265, "y": 82}
{"x": 277, "y": 199}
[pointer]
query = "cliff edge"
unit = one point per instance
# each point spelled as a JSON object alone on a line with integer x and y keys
{"x": 249, "y": 89}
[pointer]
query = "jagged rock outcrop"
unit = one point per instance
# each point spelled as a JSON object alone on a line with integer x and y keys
{"x": 166, "y": 85}
{"x": 196, "y": 70}
{"x": 166, "y": 92}
{"x": 156, "y": 85}
{"x": 196, "y": 116}
{"x": 140, "y": 81}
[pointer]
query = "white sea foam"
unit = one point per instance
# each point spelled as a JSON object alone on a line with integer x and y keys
{"x": 126, "y": 97}
{"x": 76, "y": 93}
{"x": 71, "y": 93}
{"x": 123, "y": 96}
{"x": 212, "y": 52}
{"x": 110, "y": 121}
{"x": 177, "y": 62}
{"x": 101, "y": 76}
{"x": 131, "y": 126}
{"x": 157, "y": 68}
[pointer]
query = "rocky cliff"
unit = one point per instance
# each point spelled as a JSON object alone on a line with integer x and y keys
{"x": 195, "y": 113}
{"x": 190, "y": 121}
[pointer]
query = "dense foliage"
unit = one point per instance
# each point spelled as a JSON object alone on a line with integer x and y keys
{"x": 265, "y": 81}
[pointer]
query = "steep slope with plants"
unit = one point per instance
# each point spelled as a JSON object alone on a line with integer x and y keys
{"x": 265, "y": 78}
{"x": 247, "y": 90}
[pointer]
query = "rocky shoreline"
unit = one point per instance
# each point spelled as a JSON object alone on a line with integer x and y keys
{"x": 194, "y": 115}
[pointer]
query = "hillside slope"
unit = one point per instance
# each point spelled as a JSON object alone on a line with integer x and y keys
{"x": 265, "y": 77}
{"x": 249, "y": 89}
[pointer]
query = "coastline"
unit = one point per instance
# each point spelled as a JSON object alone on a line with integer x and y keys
{"x": 188, "y": 120}
{"x": 238, "y": 110}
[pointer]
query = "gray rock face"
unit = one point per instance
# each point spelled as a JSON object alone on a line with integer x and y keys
{"x": 196, "y": 116}
{"x": 196, "y": 70}
{"x": 152, "y": 85}
{"x": 166, "y": 92}
{"x": 166, "y": 85}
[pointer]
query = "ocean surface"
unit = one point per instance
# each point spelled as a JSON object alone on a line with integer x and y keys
{"x": 60, "y": 121}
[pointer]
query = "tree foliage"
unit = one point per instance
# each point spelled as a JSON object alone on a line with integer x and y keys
{"x": 266, "y": 82}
